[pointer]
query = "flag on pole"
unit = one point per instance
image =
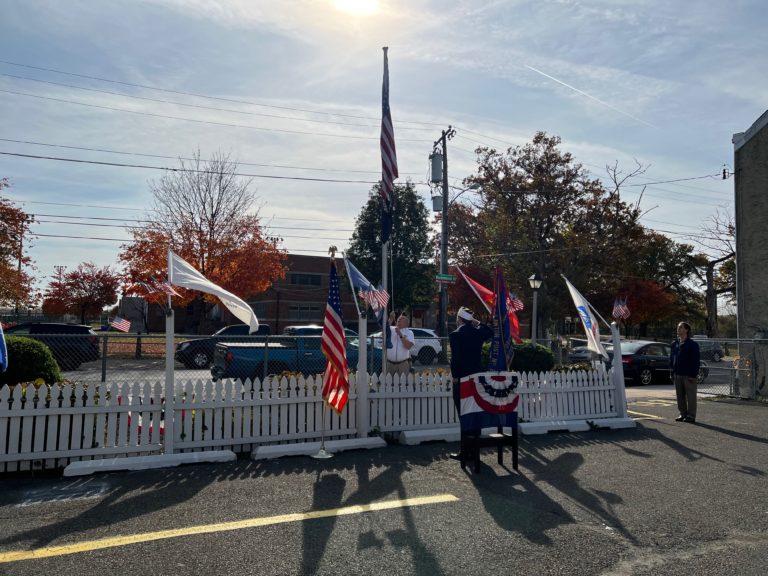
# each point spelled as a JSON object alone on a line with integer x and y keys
{"x": 515, "y": 302}
{"x": 182, "y": 273}
{"x": 588, "y": 320}
{"x": 502, "y": 349}
{"x": 334, "y": 347}
{"x": 368, "y": 293}
{"x": 388, "y": 157}
{"x": 3, "y": 351}
{"x": 165, "y": 288}
{"x": 121, "y": 324}
{"x": 148, "y": 288}
{"x": 488, "y": 299}
{"x": 620, "y": 309}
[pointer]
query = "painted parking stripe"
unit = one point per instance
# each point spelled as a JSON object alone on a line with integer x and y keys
{"x": 645, "y": 416}
{"x": 658, "y": 402}
{"x": 89, "y": 545}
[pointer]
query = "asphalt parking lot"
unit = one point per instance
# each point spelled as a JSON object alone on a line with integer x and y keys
{"x": 664, "y": 498}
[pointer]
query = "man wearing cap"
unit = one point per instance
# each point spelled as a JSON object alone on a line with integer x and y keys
{"x": 466, "y": 351}
{"x": 399, "y": 355}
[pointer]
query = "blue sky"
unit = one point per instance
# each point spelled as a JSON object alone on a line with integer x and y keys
{"x": 666, "y": 83}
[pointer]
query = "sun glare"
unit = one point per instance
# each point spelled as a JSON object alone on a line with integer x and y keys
{"x": 364, "y": 7}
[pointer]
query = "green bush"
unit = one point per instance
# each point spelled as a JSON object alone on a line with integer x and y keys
{"x": 528, "y": 357}
{"x": 29, "y": 360}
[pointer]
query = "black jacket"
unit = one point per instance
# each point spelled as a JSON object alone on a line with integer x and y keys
{"x": 466, "y": 349}
{"x": 685, "y": 358}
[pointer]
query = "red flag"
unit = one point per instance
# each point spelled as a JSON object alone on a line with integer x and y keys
{"x": 334, "y": 347}
{"x": 489, "y": 300}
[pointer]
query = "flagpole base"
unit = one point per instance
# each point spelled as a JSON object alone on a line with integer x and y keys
{"x": 322, "y": 454}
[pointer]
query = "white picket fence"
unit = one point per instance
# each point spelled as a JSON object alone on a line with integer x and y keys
{"x": 51, "y": 427}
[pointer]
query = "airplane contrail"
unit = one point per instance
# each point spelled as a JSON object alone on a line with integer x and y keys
{"x": 590, "y": 96}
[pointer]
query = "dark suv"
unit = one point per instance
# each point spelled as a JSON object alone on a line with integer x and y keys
{"x": 70, "y": 344}
{"x": 198, "y": 352}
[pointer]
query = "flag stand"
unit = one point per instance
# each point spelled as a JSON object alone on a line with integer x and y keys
{"x": 322, "y": 454}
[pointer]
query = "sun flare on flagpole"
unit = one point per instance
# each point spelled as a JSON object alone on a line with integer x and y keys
{"x": 362, "y": 7}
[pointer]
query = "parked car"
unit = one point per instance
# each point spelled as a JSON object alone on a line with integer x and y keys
{"x": 710, "y": 349}
{"x": 70, "y": 344}
{"x": 581, "y": 354}
{"x": 298, "y": 349}
{"x": 197, "y": 353}
{"x": 645, "y": 361}
{"x": 426, "y": 347}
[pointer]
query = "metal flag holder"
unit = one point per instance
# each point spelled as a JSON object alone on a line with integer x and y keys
{"x": 322, "y": 454}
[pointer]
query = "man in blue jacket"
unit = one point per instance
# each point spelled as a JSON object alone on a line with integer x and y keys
{"x": 685, "y": 362}
{"x": 466, "y": 352}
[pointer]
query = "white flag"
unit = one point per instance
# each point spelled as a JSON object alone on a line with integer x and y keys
{"x": 181, "y": 273}
{"x": 588, "y": 320}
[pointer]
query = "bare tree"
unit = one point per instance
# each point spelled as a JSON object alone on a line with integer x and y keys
{"x": 718, "y": 238}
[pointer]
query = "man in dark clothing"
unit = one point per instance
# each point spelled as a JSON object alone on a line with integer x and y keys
{"x": 466, "y": 352}
{"x": 685, "y": 362}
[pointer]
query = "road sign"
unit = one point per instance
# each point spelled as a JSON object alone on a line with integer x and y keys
{"x": 445, "y": 278}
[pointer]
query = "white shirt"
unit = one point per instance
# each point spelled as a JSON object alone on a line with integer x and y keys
{"x": 399, "y": 352}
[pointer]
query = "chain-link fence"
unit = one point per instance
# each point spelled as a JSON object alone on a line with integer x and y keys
{"x": 95, "y": 357}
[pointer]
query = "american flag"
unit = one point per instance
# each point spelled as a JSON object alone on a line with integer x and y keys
{"x": 166, "y": 288}
{"x": 148, "y": 288}
{"x": 334, "y": 347}
{"x": 121, "y": 324}
{"x": 388, "y": 156}
{"x": 620, "y": 309}
{"x": 375, "y": 298}
{"x": 514, "y": 302}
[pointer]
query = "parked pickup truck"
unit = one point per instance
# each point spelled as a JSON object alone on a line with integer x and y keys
{"x": 273, "y": 356}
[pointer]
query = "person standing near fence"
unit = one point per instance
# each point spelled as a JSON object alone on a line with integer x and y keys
{"x": 684, "y": 363}
{"x": 399, "y": 355}
{"x": 466, "y": 352}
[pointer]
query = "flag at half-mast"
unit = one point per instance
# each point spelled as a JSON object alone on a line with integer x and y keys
{"x": 588, "y": 320}
{"x": 488, "y": 298}
{"x": 388, "y": 157}
{"x": 334, "y": 347}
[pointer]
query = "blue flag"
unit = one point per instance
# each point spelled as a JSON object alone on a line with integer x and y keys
{"x": 502, "y": 345}
{"x": 3, "y": 351}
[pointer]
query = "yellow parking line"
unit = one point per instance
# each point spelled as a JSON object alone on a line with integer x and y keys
{"x": 658, "y": 402}
{"x": 644, "y": 416}
{"x": 90, "y": 545}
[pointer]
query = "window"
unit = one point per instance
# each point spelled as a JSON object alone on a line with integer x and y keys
{"x": 309, "y": 312}
{"x": 299, "y": 279}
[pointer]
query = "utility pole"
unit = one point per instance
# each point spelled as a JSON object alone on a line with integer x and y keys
{"x": 442, "y": 143}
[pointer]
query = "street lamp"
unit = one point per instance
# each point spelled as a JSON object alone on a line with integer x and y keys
{"x": 535, "y": 281}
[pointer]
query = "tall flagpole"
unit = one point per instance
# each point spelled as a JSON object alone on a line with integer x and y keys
{"x": 388, "y": 175}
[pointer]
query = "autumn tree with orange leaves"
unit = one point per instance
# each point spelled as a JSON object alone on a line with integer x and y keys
{"x": 16, "y": 285}
{"x": 207, "y": 214}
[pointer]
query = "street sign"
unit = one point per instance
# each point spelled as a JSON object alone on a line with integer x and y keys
{"x": 449, "y": 278}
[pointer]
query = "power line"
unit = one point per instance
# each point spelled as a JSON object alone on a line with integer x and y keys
{"x": 145, "y": 155}
{"x": 220, "y": 99}
{"x": 148, "y": 228}
{"x": 199, "y": 107}
{"x": 192, "y": 170}
{"x": 197, "y": 121}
